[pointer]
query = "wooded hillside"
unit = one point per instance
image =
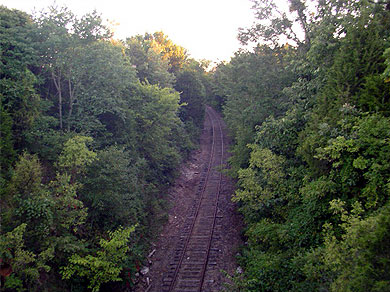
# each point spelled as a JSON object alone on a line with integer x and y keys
{"x": 312, "y": 146}
{"x": 92, "y": 133}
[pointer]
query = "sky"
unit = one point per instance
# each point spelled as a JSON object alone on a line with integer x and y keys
{"x": 206, "y": 28}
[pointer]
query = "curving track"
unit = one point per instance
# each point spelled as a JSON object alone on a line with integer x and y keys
{"x": 187, "y": 267}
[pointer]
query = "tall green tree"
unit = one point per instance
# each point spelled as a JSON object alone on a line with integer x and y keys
{"x": 19, "y": 100}
{"x": 192, "y": 96}
{"x": 60, "y": 35}
{"x": 173, "y": 53}
{"x": 251, "y": 85}
{"x": 150, "y": 65}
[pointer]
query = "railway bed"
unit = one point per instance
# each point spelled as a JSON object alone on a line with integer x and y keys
{"x": 195, "y": 250}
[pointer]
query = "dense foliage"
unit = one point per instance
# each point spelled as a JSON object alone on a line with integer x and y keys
{"x": 312, "y": 146}
{"x": 92, "y": 132}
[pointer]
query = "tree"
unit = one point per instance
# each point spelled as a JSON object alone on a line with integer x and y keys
{"x": 101, "y": 120}
{"x": 46, "y": 217}
{"x": 106, "y": 265}
{"x": 312, "y": 183}
{"x": 113, "y": 190}
{"x": 76, "y": 156}
{"x": 252, "y": 85}
{"x": 192, "y": 95}
{"x": 157, "y": 120}
{"x": 24, "y": 267}
{"x": 19, "y": 101}
{"x": 162, "y": 45}
{"x": 102, "y": 91}
{"x": 60, "y": 34}
{"x": 150, "y": 65}
{"x": 275, "y": 23}
{"x": 386, "y": 74}
{"x": 6, "y": 146}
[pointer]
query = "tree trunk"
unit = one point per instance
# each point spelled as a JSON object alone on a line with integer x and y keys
{"x": 71, "y": 98}
{"x": 57, "y": 83}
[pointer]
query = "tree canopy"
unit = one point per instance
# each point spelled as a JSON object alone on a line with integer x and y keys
{"x": 92, "y": 133}
{"x": 310, "y": 121}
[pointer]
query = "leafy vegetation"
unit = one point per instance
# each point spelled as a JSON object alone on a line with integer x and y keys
{"x": 93, "y": 129}
{"x": 311, "y": 127}
{"x": 92, "y": 132}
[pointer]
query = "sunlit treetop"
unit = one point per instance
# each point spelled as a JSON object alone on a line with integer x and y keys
{"x": 174, "y": 54}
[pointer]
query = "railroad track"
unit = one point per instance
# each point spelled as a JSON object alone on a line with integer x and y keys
{"x": 191, "y": 257}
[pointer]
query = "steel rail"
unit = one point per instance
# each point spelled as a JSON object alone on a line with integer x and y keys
{"x": 185, "y": 248}
{"x": 215, "y": 210}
